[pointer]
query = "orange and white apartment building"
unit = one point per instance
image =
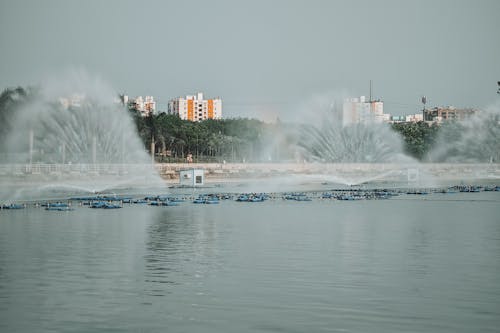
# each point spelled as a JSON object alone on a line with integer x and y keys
{"x": 195, "y": 108}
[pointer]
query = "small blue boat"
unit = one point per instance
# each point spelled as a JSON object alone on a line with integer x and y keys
{"x": 139, "y": 201}
{"x": 418, "y": 192}
{"x": 108, "y": 205}
{"x": 242, "y": 197}
{"x": 206, "y": 199}
{"x": 346, "y": 197}
{"x": 163, "y": 203}
{"x": 97, "y": 204}
{"x": 59, "y": 208}
{"x": 13, "y": 206}
{"x": 199, "y": 201}
{"x": 302, "y": 197}
{"x": 176, "y": 199}
{"x": 211, "y": 201}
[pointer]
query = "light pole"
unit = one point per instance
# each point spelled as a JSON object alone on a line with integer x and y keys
{"x": 424, "y": 101}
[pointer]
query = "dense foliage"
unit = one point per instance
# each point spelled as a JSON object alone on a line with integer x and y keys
{"x": 419, "y": 138}
{"x": 11, "y": 100}
{"x": 237, "y": 140}
{"x": 231, "y": 140}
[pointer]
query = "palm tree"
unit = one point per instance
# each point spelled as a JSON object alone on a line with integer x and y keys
{"x": 179, "y": 144}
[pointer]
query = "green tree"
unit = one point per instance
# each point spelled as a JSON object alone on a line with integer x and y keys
{"x": 418, "y": 137}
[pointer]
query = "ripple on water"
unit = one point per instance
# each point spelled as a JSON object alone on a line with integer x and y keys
{"x": 387, "y": 266}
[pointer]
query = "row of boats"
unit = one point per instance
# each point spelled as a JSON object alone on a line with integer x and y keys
{"x": 116, "y": 201}
{"x": 456, "y": 189}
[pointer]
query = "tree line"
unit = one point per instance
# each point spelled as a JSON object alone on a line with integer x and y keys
{"x": 231, "y": 140}
{"x": 250, "y": 140}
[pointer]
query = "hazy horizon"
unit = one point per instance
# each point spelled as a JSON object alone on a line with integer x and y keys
{"x": 266, "y": 59}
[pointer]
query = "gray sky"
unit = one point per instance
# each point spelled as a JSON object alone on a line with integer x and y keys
{"x": 263, "y": 57}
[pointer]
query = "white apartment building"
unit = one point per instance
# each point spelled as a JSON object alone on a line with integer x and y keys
{"x": 359, "y": 110}
{"x": 149, "y": 105}
{"x": 195, "y": 107}
{"x": 146, "y": 106}
{"x": 75, "y": 100}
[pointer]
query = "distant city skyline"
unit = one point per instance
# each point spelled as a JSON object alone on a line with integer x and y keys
{"x": 266, "y": 59}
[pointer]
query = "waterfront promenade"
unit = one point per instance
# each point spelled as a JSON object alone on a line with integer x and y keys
{"x": 169, "y": 171}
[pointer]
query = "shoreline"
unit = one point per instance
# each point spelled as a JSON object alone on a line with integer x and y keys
{"x": 234, "y": 172}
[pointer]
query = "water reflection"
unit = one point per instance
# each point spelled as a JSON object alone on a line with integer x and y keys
{"x": 384, "y": 265}
{"x": 419, "y": 250}
{"x": 181, "y": 248}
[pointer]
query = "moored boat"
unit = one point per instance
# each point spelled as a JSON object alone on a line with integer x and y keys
{"x": 59, "y": 208}
{"x": 12, "y": 206}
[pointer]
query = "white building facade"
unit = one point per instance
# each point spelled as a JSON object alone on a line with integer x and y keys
{"x": 359, "y": 110}
{"x": 195, "y": 107}
{"x": 145, "y": 106}
{"x": 414, "y": 118}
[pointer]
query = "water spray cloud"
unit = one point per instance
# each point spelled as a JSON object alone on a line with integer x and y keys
{"x": 75, "y": 119}
{"x": 472, "y": 140}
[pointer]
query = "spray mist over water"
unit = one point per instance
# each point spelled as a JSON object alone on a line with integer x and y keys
{"x": 325, "y": 139}
{"x": 77, "y": 124}
{"x": 323, "y": 151}
{"x": 473, "y": 140}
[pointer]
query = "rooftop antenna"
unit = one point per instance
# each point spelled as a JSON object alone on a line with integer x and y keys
{"x": 424, "y": 101}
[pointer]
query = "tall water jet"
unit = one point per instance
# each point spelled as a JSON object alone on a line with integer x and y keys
{"x": 79, "y": 136}
{"x": 356, "y": 152}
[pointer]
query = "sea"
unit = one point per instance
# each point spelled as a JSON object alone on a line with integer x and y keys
{"x": 412, "y": 263}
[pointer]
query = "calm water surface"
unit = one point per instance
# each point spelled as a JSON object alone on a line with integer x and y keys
{"x": 409, "y": 264}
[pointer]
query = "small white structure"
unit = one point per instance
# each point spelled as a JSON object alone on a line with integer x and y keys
{"x": 192, "y": 177}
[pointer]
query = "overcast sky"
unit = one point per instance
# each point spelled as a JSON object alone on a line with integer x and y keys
{"x": 263, "y": 57}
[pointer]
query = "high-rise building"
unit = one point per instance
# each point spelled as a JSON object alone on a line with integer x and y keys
{"x": 358, "y": 110}
{"x": 149, "y": 105}
{"x": 145, "y": 106}
{"x": 195, "y": 108}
